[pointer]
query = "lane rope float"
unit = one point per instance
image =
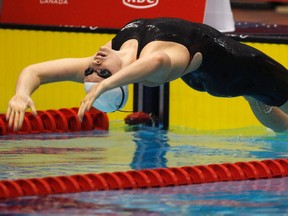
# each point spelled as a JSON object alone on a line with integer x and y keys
{"x": 60, "y": 121}
{"x": 147, "y": 178}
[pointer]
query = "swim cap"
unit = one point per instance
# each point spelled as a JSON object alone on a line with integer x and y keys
{"x": 111, "y": 100}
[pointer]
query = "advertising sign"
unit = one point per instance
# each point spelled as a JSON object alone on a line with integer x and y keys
{"x": 97, "y": 13}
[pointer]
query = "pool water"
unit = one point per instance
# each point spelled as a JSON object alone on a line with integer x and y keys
{"x": 41, "y": 155}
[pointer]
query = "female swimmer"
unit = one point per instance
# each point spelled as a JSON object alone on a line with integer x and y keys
{"x": 156, "y": 51}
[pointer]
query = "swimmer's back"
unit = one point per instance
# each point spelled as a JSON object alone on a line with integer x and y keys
{"x": 189, "y": 34}
{"x": 228, "y": 69}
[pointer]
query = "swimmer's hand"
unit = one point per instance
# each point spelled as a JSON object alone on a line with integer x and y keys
{"x": 87, "y": 102}
{"x": 16, "y": 110}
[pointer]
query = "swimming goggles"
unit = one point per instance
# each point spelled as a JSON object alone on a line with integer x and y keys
{"x": 103, "y": 73}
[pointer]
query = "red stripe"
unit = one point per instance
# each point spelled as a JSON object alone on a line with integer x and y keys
{"x": 161, "y": 177}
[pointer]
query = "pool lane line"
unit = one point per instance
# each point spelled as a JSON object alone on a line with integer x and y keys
{"x": 59, "y": 121}
{"x": 147, "y": 178}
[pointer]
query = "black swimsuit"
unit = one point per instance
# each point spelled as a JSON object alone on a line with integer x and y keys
{"x": 228, "y": 69}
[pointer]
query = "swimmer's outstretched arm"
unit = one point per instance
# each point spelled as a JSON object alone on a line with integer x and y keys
{"x": 70, "y": 69}
{"x": 153, "y": 67}
{"x": 275, "y": 118}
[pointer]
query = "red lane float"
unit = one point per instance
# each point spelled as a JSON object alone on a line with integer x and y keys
{"x": 148, "y": 178}
{"x": 60, "y": 121}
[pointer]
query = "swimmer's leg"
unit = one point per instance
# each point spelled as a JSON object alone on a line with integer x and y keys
{"x": 269, "y": 79}
{"x": 272, "y": 117}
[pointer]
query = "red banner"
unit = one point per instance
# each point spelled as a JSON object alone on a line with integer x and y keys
{"x": 97, "y": 13}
